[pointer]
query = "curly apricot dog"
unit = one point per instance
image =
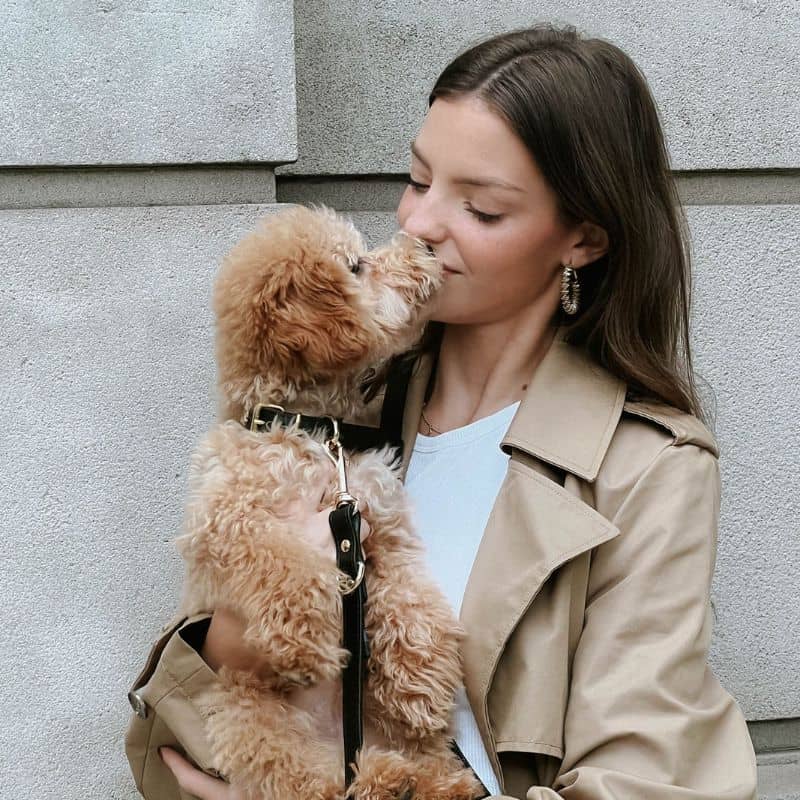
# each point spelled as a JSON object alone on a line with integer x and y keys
{"x": 303, "y": 313}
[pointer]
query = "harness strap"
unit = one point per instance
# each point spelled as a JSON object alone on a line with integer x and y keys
{"x": 394, "y": 402}
{"x": 352, "y": 437}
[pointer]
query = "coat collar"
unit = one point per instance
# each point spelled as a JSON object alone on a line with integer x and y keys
{"x": 566, "y": 417}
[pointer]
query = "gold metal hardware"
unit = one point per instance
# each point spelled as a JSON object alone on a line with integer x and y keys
{"x": 333, "y": 448}
{"x": 348, "y": 585}
{"x": 138, "y": 704}
{"x": 345, "y": 546}
{"x": 256, "y": 423}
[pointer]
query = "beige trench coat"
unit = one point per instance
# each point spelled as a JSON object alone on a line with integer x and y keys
{"x": 587, "y": 609}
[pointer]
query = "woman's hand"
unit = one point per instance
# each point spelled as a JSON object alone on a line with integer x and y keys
{"x": 316, "y": 529}
{"x": 224, "y": 644}
{"x": 195, "y": 781}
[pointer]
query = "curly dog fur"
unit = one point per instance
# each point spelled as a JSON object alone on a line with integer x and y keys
{"x": 304, "y": 314}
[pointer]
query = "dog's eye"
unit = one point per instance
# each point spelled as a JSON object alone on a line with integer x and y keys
{"x": 355, "y": 266}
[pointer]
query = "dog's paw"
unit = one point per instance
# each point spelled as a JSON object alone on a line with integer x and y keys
{"x": 383, "y": 775}
{"x": 394, "y": 775}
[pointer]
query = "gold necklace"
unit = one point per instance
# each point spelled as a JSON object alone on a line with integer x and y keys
{"x": 427, "y": 422}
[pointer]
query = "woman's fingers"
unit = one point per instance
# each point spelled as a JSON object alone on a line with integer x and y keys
{"x": 224, "y": 643}
{"x": 316, "y": 531}
{"x": 195, "y": 781}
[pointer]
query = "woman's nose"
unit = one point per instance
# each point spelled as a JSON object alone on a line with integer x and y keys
{"x": 424, "y": 220}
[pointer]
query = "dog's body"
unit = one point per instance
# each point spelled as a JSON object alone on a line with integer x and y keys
{"x": 297, "y": 327}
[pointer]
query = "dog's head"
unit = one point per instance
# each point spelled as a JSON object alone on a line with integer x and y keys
{"x": 300, "y": 304}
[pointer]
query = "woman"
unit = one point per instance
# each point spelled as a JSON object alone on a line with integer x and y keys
{"x": 581, "y": 549}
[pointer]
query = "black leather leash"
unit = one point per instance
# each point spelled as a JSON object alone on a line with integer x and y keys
{"x": 345, "y": 522}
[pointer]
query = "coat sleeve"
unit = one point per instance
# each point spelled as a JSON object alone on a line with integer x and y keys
{"x": 646, "y": 717}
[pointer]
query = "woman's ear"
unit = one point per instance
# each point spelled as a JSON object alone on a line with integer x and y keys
{"x": 591, "y": 243}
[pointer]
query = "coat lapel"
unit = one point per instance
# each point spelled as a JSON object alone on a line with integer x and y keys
{"x": 566, "y": 419}
{"x": 569, "y": 412}
{"x": 534, "y": 528}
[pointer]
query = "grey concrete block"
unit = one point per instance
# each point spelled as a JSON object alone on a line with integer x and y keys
{"x": 775, "y": 735}
{"x": 345, "y": 194}
{"x": 725, "y": 74}
{"x": 694, "y": 188}
{"x": 746, "y": 344}
{"x": 137, "y": 186}
{"x": 124, "y": 82}
{"x": 779, "y": 776}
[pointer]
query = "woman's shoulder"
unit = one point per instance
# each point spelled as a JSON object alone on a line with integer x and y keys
{"x": 678, "y": 426}
{"x": 655, "y": 443}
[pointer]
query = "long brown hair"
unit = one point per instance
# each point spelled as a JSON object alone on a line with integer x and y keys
{"x": 585, "y": 112}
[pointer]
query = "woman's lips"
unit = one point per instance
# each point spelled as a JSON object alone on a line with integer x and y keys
{"x": 449, "y": 269}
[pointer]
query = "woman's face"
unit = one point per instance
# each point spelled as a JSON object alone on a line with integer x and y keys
{"x": 503, "y": 243}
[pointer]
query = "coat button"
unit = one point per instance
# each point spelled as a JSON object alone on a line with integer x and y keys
{"x": 138, "y": 704}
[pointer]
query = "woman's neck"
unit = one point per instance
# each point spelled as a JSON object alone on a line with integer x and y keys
{"x": 482, "y": 369}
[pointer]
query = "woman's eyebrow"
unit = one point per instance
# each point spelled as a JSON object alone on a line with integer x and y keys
{"x": 469, "y": 181}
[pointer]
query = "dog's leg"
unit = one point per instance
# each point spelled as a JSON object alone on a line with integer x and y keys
{"x": 415, "y": 662}
{"x": 285, "y": 593}
{"x": 249, "y": 505}
{"x": 292, "y": 608}
{"x": 266, "y": 746}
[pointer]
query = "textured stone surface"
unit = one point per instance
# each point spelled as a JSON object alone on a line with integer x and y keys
{"x": 747, "y": 341}
{"x": 127, "y": 82}
{"x": 779, "y": 776}
{"x": 725, "y": 74}
{"x": 68, "y": 187}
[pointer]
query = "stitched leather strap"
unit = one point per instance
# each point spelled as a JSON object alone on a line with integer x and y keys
{"x": 345, "y": 522}
{"x": 352, "y": 437}
{"x": 394, "y": 401}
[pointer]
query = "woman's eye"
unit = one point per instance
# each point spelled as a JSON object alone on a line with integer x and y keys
{"x": 480, "y": 216}
{"x": 487, "y": 218}
{"x": 417, "y": 187}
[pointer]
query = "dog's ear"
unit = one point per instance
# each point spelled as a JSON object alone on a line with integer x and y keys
{"x": 316, "y": 325}
{"x": 296, "y": 317}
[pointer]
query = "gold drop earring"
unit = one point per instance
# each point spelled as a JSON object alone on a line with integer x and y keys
{"x": 570, "y": 289}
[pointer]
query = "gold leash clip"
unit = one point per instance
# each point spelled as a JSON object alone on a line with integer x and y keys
{"x": 333, "y": 447}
